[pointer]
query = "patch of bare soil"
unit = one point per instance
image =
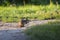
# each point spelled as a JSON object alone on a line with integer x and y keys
{"x": 11, "y": 31}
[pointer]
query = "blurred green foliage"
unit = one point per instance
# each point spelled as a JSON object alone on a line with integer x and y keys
{"x": 50, "y": 31}
{"x": 21, "y": 2}
{"x": 41, "y": 12}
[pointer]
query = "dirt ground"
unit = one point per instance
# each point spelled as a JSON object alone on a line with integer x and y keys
{"x": 11, "y": 31}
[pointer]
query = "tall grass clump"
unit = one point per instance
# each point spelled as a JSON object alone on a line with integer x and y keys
{"x": 50, "y": 31}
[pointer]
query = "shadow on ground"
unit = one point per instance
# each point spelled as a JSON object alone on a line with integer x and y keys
{"x": 12, "y": 35}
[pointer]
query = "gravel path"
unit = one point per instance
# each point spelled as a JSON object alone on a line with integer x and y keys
{"x": 9, "y": 31}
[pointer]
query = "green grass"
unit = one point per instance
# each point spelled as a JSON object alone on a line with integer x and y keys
{"x": 31, "y": 11}
{"x": 50, "y": 31}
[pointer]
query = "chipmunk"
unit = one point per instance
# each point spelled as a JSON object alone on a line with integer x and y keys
{"x": 22, "y": 22}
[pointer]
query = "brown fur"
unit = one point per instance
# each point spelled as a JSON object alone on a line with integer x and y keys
{"x": 20, "y": 24}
